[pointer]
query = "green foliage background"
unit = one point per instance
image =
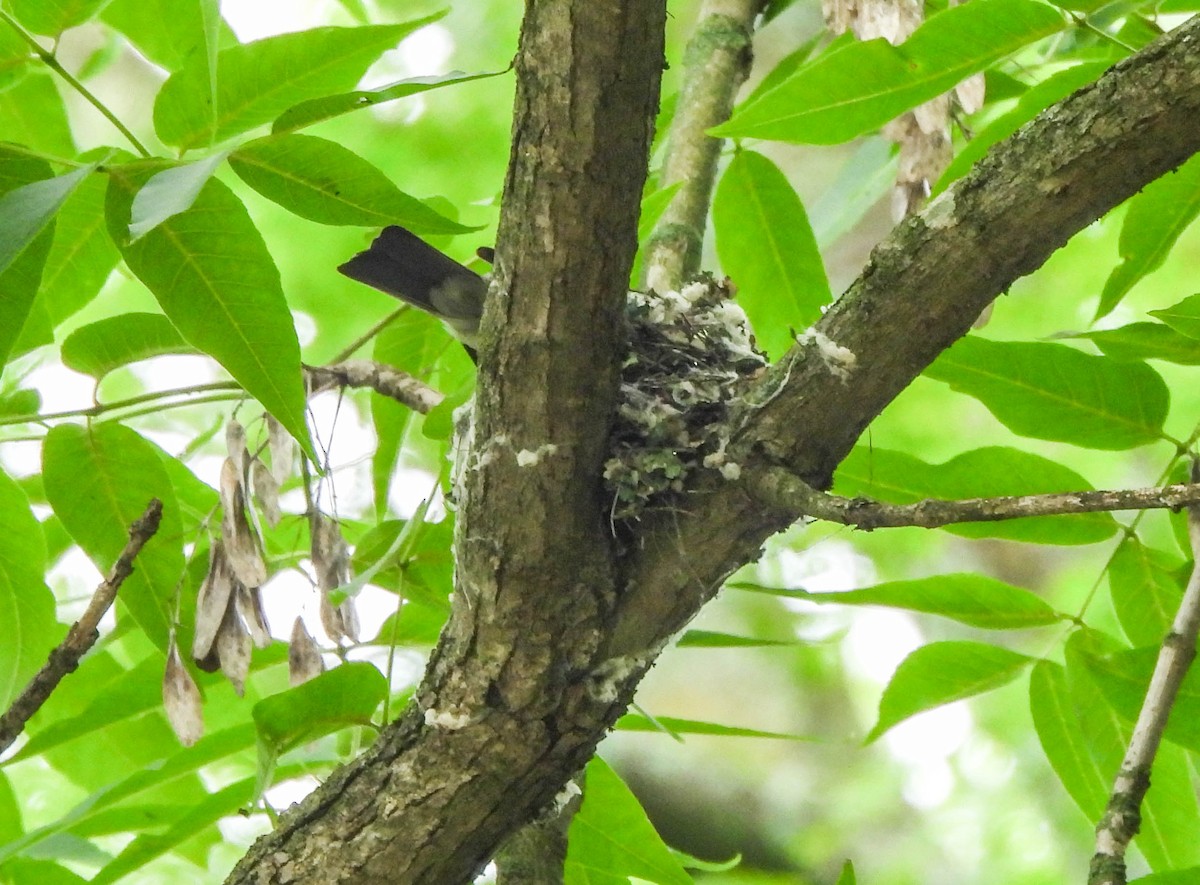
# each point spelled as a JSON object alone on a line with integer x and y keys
{"x": 258, "y": 181}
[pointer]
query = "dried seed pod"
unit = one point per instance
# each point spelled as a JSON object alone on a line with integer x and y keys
{"x": 212, "y": 601}
{"x": 304, "y": 658}
{"x": 233, "y": 648}
{"x": 235, "y": 445}
{"x": 970, "y": 93}
{"x": 181, "y": 699}
{"x": 330, "y": 554}
{"x": 266, "y": 492}
{"x": 241, "y": 544}
{"x": 282, "y": 448}
{"x": 248, "y": 603}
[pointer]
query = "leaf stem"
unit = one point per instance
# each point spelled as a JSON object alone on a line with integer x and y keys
{"x": 101, "y": 408}
{"x": 51, "y": 62}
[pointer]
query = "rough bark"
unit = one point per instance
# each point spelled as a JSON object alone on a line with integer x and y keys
{"x": 550, "y": 632}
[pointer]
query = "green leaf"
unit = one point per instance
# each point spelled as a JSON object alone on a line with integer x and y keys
{"x": 211, "y": 748}
{"x": 1146, "y": 341}
{"x": 27, "y": 208}
{"x": 32, "y": 113}
{"x": 675, "y": 726}
{"x": 942, "y": 672}
{"x": 1060, "y": 733}
{"x": 767, "y": 247}
{"x": 29, "y": 198}
{"x": 169, "y": 192}
{"x": 1146, "y": 590}
{"x": 1051, "y": 391}
{"x": 82, "y": 256}
{"x": 1156, "y": 217}
{"x": 971, "y": 599}
{"x": 51, "y": 17}
{"x": 858, "y": 88}
{"x": 611, "y": 838}
{"x": 1031, "y": 103}
{"x": 258, "y": 81}
{"x": 113, "y": 342}
{"x": 324, "y": 182}
{"x": 167, "y": 32}
{"x": 847, "y": 876}
{"x": 26, "y": 603}
{"x": 113, "y": 695}
{"x": 99, "y": 480}
{"x": 1183, "y": 317}
{"x": 346, "y": 695}
{"x": 195, "y": 818}
{"x": 903, "y": 479}
{"x": 1170, "y": 825}
{"x": 329, "y": 106}
{"x": 713, "y": 639}
{"x": 214, "y": 279}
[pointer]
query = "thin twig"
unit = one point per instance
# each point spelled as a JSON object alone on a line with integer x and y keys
{"x": 384, "y": 380}
{"x": 1122, "y": 816}
{"x": 781, "y": 488}
{"x": 51, "y": 62}
{"x": 83, "y": 633}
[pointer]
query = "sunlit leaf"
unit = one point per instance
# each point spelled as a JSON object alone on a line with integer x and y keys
{"x": 1183, "y": 317}
{"x": 971, "y": 599}
{"x": 1146, "y": 341}
{"x": 1059, "y": 732}
{"x": 942, "y": 672}
{"x": 51, "y": 17}
{"x": 1146, "y": 590}
{"x": 213, "y": 277}
{"x": 611, "y": 838}
{"x": 258, "y": 81}
{"x": 767, "y": 248}
{"x": 859, "y": 87}
{"x": 99, "y": 480}
{"x": 315, "y": 110}
{"x": 322, "y": 181}
{"x": 1156, "y": 217}
{"x": 26, "y": 603}
{"x": 677, "y": 726}
{"x": 1051, "y": 391}
{"x": 169, "y": 192}
{"x": 346, "y": 695}
{"x": 108, "y": 344}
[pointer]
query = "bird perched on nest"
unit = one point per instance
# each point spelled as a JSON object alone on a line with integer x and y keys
{"x": 689, "y": 353}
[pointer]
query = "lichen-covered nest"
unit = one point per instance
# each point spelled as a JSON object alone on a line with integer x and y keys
{"x": 690, "y": 353}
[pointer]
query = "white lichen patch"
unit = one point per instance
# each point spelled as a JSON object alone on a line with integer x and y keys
{"x": 604, "y": 683}
{"x": 840, "y": 361}
{"x": 940, "y": 213}
{"x": 690, "y": 353}
{"x": 565, "y": 795}
{"x": 447, "y": 719}
{"x": 532, "y": 457}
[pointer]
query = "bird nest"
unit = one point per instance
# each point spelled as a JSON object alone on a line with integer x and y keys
{"x": 690, "y": 353}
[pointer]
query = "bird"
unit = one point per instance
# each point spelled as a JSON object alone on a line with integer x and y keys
{"x": 405, "y": 266}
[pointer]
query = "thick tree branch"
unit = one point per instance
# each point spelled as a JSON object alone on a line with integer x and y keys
{"x": 516, "y": 694}
{"x": 716, "y": 63}
{"x": 780, "y": 489}
{"x": 65, "y": 657}
{"x": 1122, "y": 816}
